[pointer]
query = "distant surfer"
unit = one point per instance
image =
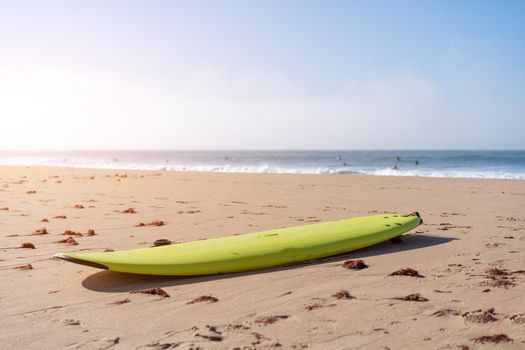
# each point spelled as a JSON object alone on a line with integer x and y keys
{"x": 417, "y": 162}
{"x": 398, "y": 158}
{"x": 338, "y": 157}
{"x": 344, "y": 164}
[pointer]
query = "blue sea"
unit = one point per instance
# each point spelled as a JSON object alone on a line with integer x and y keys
{"x": 459, "y": 164}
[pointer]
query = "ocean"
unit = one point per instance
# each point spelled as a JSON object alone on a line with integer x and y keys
{"x": 458, "y": 164}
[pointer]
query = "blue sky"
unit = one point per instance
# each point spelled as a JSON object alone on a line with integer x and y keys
{"x": 262, "y": 74}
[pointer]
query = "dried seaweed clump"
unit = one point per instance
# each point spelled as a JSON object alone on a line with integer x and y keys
{"x": 495, "y": 272}
{"x": 500, "y": 278}
{"x": 407, "y": 272}
{"x": 44, "y": 220}
{"x": 5, "y": 208}
{"x": 79, "y": 206}
{"x": 355, "y": 264}
{"x": 27, "y": 245}
{"x": 343, "y": 294}
{"x": 156, "y": 223}
{"x": 72, "y": 233}
{"x": 497, "y": 338}
{"x": 31, "y": 192}
{"x": 41, "y": 231}
{"x": 129, "y": 211}
{"x": 153, "y": 291}
{"x": 91, "y": 233}
{"x": 504, "y": 283}
{"x": 314, "y": 306}
{"x": 479, "y": 316}
{"x": 413, "y": 297}
{"x": 266, "y": 320}
{"x": 161, "y": 242}
{"x": 120, "y": 302}
{"x": 68, "y": 241}
{"x": 153, "y": 223}
{"x": 204, "y": 298}
{"x": 24, "y": 267}
{"x": 61, "y": 216}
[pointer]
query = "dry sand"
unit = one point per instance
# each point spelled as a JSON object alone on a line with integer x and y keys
{"x": 470, "y": 227}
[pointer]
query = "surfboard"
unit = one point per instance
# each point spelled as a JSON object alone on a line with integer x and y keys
{"x": 252, "y": 251}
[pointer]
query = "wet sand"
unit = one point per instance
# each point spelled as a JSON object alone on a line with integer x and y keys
{"x": 469, "y": 254}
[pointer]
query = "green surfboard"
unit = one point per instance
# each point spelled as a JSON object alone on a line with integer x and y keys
{"x": 253, "y": 251}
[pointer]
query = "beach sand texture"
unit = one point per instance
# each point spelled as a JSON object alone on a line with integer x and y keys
{"x": 470, "y": 252}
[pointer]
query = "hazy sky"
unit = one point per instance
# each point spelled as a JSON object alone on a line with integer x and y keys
{"x": 262, "y": 74}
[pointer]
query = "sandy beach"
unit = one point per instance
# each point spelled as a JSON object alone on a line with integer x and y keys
{"x": 470, "y": 252}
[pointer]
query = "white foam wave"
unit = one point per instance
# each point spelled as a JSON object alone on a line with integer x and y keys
{"x": 261, "y": 168}
{"x": 448, "y": 173}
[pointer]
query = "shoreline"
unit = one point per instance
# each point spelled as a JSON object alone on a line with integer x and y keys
{"x": 470, "y": 226}
{"x": 83, "y": 168}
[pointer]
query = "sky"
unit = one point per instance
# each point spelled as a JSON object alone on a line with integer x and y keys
{"x": 262, "y": 74}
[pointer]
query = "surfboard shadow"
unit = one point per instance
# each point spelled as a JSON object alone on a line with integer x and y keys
{"x": 117, "y": 282}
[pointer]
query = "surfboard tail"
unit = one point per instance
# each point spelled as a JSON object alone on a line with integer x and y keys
{"x": 80, "y": 261}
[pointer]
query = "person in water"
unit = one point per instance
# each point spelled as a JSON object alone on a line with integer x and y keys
{"x": 397, "y": 160}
